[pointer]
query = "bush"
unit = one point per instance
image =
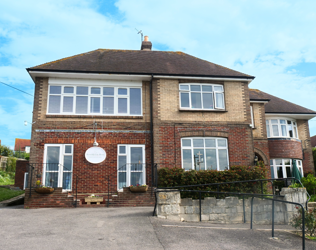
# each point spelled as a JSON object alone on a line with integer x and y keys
{"x": 11, "y": 164}
{"x": 309, "y": 183}
{"x": 314, "y": 157}
{"x": 310, "y": 220}
{"x": 179, "y": 177}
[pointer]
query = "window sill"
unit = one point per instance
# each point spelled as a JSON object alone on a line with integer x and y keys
{"x": 204, "y": 110}
{"x": 95, "y": 116}
{"x": 283, "y": 138}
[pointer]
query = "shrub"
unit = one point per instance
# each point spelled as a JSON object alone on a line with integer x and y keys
{"x": 179, "y": 177}
{"x": 309, "y": 183}
{"x": 11, "y": 164}
{"x": 310, "y": 220}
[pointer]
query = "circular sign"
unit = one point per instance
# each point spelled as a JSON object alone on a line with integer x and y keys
{"x": 95, "y": 155}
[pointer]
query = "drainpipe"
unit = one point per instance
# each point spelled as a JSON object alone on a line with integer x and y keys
{"x": 151, "y": 128}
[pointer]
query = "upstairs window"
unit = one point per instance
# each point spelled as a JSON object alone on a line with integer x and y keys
{"x": 281, "y": 128}
{"x": 201, "y": 96}
{"x": 83, "y": 100}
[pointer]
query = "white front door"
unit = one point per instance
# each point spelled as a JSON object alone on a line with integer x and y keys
{"x": 57, "y": 169}
{"x": 131, "y": 165}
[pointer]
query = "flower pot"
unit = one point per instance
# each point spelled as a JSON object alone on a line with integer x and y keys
{"x": 44, "y": 190}
{"x": 138, "y": 189}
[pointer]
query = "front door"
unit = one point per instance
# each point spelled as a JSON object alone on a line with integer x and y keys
{"x": 131, "y": 165}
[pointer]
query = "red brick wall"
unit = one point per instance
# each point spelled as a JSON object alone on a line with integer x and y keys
{"x": 21, "y": 168}
{"x": 285, "y": 148}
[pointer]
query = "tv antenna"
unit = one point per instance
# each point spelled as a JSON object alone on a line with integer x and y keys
{"x": 141, "y": 33}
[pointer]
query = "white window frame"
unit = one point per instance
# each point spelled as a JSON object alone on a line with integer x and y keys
{"x": 274, "y": 166}
{"x": 128, "y": 159}
{"x": 60, "y": 163}
{"x": 270, "y": 128}
{"x": 116, "y": 96}
{"x": 26, "y": 176}
{"x": 213, "y": 94}
{"x": 252, "y": 120}
{"x": 204, "y": 148}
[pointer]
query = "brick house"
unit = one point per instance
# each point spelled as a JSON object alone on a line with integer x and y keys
{"x": 146, "y": 108}
{"x": 22, "y": 145}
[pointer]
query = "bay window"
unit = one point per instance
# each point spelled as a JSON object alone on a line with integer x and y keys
{"x": 282, "y": 168}
{"x": 281, "y": 128}
{"x": 201, "y": 96}
{"x": 206, "y": 153}
{"x": 93, "y": 100}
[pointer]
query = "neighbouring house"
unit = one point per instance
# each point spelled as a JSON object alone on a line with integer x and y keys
{"x": 313, "y": 141}
{"x": 105, "y": 119}
{"x": 22, "y": 145}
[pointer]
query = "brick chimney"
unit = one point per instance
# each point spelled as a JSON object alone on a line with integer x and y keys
{"x": 146, "y": 45}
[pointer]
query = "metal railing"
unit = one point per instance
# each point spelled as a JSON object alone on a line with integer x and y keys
{"x": 135, "y": 173}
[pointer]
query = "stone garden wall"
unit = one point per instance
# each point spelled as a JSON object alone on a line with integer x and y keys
{"x": 229, "y": 210}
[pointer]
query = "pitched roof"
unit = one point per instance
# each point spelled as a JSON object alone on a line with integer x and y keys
{"x": 139, "y": 62}
{"x": 277, "y": 105}
{"x": 20, "y": 144}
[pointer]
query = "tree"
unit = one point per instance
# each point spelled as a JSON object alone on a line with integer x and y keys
{"x": 314, "y": 157}
{"x": 5, "y": 151}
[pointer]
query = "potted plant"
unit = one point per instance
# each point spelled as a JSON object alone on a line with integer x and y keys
{"x": 41, "y": 189}
{"x": 138, "y": 188}
{"x": 93, "y": 198}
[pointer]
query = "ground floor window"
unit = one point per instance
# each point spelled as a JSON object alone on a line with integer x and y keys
{"x": 26, "y": 180}
{"x": 57, "y": 167}
{"x": 206, "y": 153}
{"x": 131, "y": 165}
{"x": 282, "y": 168}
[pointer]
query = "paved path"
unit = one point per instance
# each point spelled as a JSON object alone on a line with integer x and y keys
{"x": 128, "y": 228}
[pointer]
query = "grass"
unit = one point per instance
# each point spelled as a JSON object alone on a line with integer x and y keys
{"x": 7, "y": 178}
{"x": 6, "y": 193}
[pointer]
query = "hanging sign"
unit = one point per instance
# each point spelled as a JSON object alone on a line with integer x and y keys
{"x": 95, "y": 155}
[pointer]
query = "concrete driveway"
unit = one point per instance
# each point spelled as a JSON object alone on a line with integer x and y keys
{"x": 129, "y": 228}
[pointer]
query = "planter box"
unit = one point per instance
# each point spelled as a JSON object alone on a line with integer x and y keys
{"x": 42, "y": 190}
{"x": 138, "y": 189}
{"x": 98, "y": 200}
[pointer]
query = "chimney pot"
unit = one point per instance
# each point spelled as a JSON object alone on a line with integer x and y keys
{"x": 146, "y": 45}
{"x": 146, "y": 38}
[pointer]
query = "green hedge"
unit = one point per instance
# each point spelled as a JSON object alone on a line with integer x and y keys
{"x": 178, "y": 177}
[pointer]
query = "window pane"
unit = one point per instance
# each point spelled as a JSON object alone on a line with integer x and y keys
{"x": 122, "y": 91}
{"x": 68, "y": 149}
{"x": 207, "y": 88}
{"x": 218, "y": 88}
{"x": 136, "y": 178}
{"x": 184, "y": 87}
{"x": 187, "y": 159}
{"x": 196, "y": 100}
{"x": 271, "y": 162}
{"x": 122, "y": 179}
{"x": 211, "y": 162}
{"x": 122, "y": 149}
{"x": 81, "y": 105}
{"x": 122, "y": 163}
{"x": 108, "y": 91}
{"x": 54, "y": 104}
{"x": 186, "y": 142}
{"x": 55, "y": 89}
{"x": 208, "y": 101}
{"x": 295, "y": 132}
{"x": 274, "y": 121}
{"x": 195, "y": 88}
{"x": 275, "y": 130}
{"x": 135, "y": 101}
{"x": 287, "y": 162}
{"x": 95, "y": 91}
{"x": 198, "y": 143}
{"x": 199, "y": 159}
{"x": 280, "y": 172}
{"x": 95, "y": 105}
{"x": 52, "y": 157}
{"x": 68, "y": 104}
{"x": 122, "y": 105}
{"x": 136, "y": 155}
{"x": 67, "y": 163}
{"x": 51, "y": 179}
{"x": 268, "y": 129}
{"x": 288, "y": 172}
{"x": 289, "y": 127}
{"x": 68, "y": 90}
{"x": 67, "y": 181}
{"x": 278, "y": 161}
{"x": 219, "y": 97}
{"x": 210, "y": 143}
{"x": 221, "y": 143}
{"x": 272, "y": 172}
{"x": 283, "y": 129}
{"x": 82, "y": 90}
{"x": 282, "y": 122}
{"x": 222, "y": 156}
{"x": 108, "y": 105}
{"x": 185, "y": 100}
